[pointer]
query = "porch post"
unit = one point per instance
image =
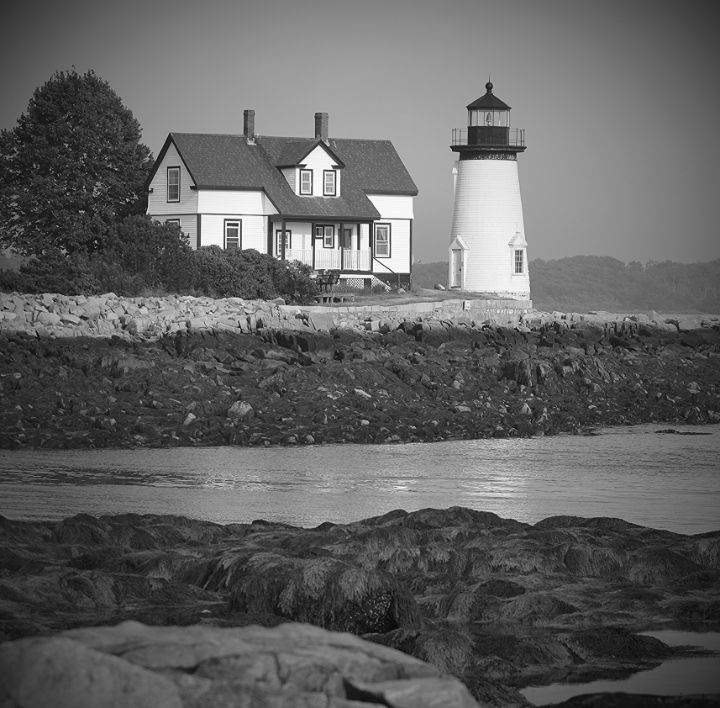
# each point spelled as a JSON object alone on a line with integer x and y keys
{"x": 342, "y": 246}
{"x": 371, "y": 244}
{"x": 282, "y": 240}
{"x": 313, "y": 239}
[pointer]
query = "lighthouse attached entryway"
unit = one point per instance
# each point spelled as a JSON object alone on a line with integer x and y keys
{"x": 488, "y": 250}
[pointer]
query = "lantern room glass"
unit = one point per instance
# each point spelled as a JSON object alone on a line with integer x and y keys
{"x": 495, "y": 118}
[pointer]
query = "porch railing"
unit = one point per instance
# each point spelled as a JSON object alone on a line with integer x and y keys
{"x": 304, "y": 255}
{"x": 331, "y": 258}
{"x": 356, "y": 260}
{"x": 327, "y": 259}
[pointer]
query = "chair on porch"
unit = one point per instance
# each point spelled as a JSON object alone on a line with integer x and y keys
{"x": 327, "y": 279}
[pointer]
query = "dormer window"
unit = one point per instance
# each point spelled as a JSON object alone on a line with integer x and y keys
{"x": 306, "y": 182}
{"x": 329, "y": 183}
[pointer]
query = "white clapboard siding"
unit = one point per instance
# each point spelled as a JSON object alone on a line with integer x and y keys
{"x": 254, "y": 230}
{"x": 300, "y": 235}
{"x": 318, "y": 160}
{"x": 399, "y": 261}
{"x": 231, "y": 201}
{"x": 158, "y": 204}
{"x": 392, "y": 206}
{"x": 487, "y": 215}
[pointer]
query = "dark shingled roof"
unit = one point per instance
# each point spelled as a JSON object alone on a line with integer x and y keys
{"x": 295, "y": 151}
{"x": 229, "y": 162}
{"x": 488, "y": 101}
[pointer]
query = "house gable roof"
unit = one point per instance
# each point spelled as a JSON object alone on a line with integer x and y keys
{"x": 230, "y": 162}
{"x": 158, "y": 161}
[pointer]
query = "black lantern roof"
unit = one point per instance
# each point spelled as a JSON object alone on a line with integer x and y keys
{"x": 489, "y": 101}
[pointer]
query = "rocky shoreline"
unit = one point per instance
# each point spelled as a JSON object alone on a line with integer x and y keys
{"x": 493, "y": 602}
{"x": 304, "y": 379}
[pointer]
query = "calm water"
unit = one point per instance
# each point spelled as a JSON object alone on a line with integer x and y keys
{"x": 672, "y": 678}
{"x": 669, "y": 481}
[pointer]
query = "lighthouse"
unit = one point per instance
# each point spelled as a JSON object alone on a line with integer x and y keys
{"x": 488, "y": 250}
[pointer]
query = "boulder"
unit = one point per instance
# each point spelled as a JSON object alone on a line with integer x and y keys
{"x": 135, "y": 666}
{"x": 63, "y": 673}
{"x": 240, "y": 410}
{"x": 476, "y": 595}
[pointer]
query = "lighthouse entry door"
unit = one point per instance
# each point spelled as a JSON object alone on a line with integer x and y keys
{"x": 456, "y": 268}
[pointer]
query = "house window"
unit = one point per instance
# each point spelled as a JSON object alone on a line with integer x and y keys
{"x": 173, "y": 222}
{"x": 382, "y": 241}
{"x": 173, "y": 184}
{"x": 233, "y": 233}
{"x": 327, "y": 234}
{"x": 347, "y": 235}
{"x": 329, "y": 182}
{"x": 279, "y": 241}
{"x": 519, "y": 262}
{"x": 306, "y": 182}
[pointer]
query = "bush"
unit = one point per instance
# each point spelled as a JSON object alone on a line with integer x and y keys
{"x": 55, "y": 272}
{"x": 143, "y": 254}
{"x": 11, "y": 281}
{"x": 293, "y": 282}
{"x": 251, "y": 275}
{"x": 139, "y": 255}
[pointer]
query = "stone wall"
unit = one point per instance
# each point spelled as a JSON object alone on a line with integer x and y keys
{"x": 52, "y": 315}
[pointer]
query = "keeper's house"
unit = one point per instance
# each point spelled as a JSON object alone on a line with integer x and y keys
{"x": 335, "y": 204}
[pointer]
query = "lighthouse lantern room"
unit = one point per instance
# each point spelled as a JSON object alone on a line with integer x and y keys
{"x": 488, "y": 250}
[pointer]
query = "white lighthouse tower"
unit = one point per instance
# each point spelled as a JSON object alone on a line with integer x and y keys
{"x": 488, "y": 250}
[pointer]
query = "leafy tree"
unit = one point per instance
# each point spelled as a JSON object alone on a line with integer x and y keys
{"x": 71, "y": 168}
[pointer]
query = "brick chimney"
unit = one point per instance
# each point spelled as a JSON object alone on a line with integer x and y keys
{"x": 321, "y": 127}
{"x": 249, "y": 124}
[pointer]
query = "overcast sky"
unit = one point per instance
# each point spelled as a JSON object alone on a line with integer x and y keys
{"x": 619, "y": 98}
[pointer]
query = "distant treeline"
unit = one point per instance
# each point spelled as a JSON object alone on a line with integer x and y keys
{"x": 583, "y": 283}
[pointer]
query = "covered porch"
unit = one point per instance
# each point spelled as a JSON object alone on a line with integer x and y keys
{"x": 336, "y": 259}
{"x": 339, "y": 246}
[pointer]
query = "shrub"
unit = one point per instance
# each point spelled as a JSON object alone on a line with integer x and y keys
{"x": 213, "y": 273}
{"x": 293, "y": 282}
{"x": 11, "y": 280}
{"x": 139, "y": 255}
{"x": 250, "y": 274}
{"x": 56, "y": 272}
{"x": 145, "y": 254}
{"x": 142, "y": 255}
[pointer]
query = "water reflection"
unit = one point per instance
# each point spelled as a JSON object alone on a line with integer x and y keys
{"x": 675, "y": 677}
{"x": 665, "y": 481}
